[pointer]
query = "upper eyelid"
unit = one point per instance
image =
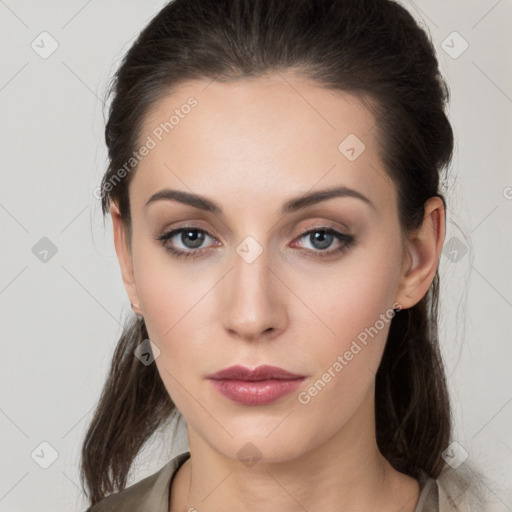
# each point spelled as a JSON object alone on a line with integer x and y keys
{"x": 320, "y": 225}
{"x": 325, "y": 227}
{"x": 318, "y": 214}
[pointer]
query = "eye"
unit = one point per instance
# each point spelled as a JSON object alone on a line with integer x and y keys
{"x": 192, "y": 240}
{"x": 323, "y": 237}
{"x": 190, "y": 237}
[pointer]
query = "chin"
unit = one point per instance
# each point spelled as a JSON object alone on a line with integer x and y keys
{"x": 254, "y": 445}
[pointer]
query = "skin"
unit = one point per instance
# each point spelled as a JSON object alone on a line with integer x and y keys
{"x": 250, "y": 146}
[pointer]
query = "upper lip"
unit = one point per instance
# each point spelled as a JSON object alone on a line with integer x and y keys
{"x": 263, "y": 372}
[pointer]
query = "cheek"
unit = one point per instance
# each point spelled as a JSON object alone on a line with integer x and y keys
{"x": 351, "y": 300}
{"x": 165, "y": 289}
{"x": 345, "y": 364}
{"x": 172, "y": 307}
{"x": 177, "y": 310}
{"x": 355, "y": 332}
{"x": 355, "y": 307}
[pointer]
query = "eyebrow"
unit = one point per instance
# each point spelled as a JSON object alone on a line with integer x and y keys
{"x": 292, "y": 205}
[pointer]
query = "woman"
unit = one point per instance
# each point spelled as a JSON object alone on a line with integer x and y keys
{"x": 273, "y": 186}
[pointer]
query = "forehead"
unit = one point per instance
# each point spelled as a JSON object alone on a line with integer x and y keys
{"x": 276, "y": 133}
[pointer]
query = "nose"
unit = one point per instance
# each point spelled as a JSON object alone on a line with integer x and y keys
{"x": 254, "y": 301}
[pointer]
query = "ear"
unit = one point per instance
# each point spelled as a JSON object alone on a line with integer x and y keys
{"x": 422, "y": 254}
{"x": 123, "y": 254}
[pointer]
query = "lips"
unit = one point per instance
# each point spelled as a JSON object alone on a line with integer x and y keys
{"x": 261, "y": 386}
{"x": 264, "y": 372}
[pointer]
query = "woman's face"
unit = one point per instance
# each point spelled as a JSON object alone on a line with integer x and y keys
{"x": 261, "y": 282}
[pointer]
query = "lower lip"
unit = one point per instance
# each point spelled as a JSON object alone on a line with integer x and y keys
{"x": 261, "y": 392}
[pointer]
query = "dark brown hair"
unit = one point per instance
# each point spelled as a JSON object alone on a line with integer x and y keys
{"x": 371, "y": 48}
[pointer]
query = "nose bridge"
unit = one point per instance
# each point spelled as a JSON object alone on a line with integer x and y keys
{"x": 252, "y": 302}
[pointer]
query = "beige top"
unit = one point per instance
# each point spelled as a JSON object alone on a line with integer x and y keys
{"x": 152, "y": 493}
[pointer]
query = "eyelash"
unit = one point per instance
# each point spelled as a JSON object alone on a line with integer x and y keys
{"x": 348, "y": 241}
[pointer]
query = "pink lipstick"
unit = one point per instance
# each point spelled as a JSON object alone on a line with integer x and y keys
{"x": 260, "y": 386}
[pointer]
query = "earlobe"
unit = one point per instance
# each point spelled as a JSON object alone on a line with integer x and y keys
{"x": 123, "y": 253}
{"x": 423, "y": 252}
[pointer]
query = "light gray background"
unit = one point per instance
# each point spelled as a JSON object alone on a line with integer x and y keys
{"x": 61, "y": 318}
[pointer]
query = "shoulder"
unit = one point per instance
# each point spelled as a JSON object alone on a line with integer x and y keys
{"x": 464, "y": 489}
{"x": 150, "y": 494}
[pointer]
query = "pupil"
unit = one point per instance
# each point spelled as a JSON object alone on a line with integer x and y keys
{"x": 196, "y": 237}
{"x": 323, "y": 238}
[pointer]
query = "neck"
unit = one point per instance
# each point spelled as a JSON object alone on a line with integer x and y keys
{"x": 345, "y": 472}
